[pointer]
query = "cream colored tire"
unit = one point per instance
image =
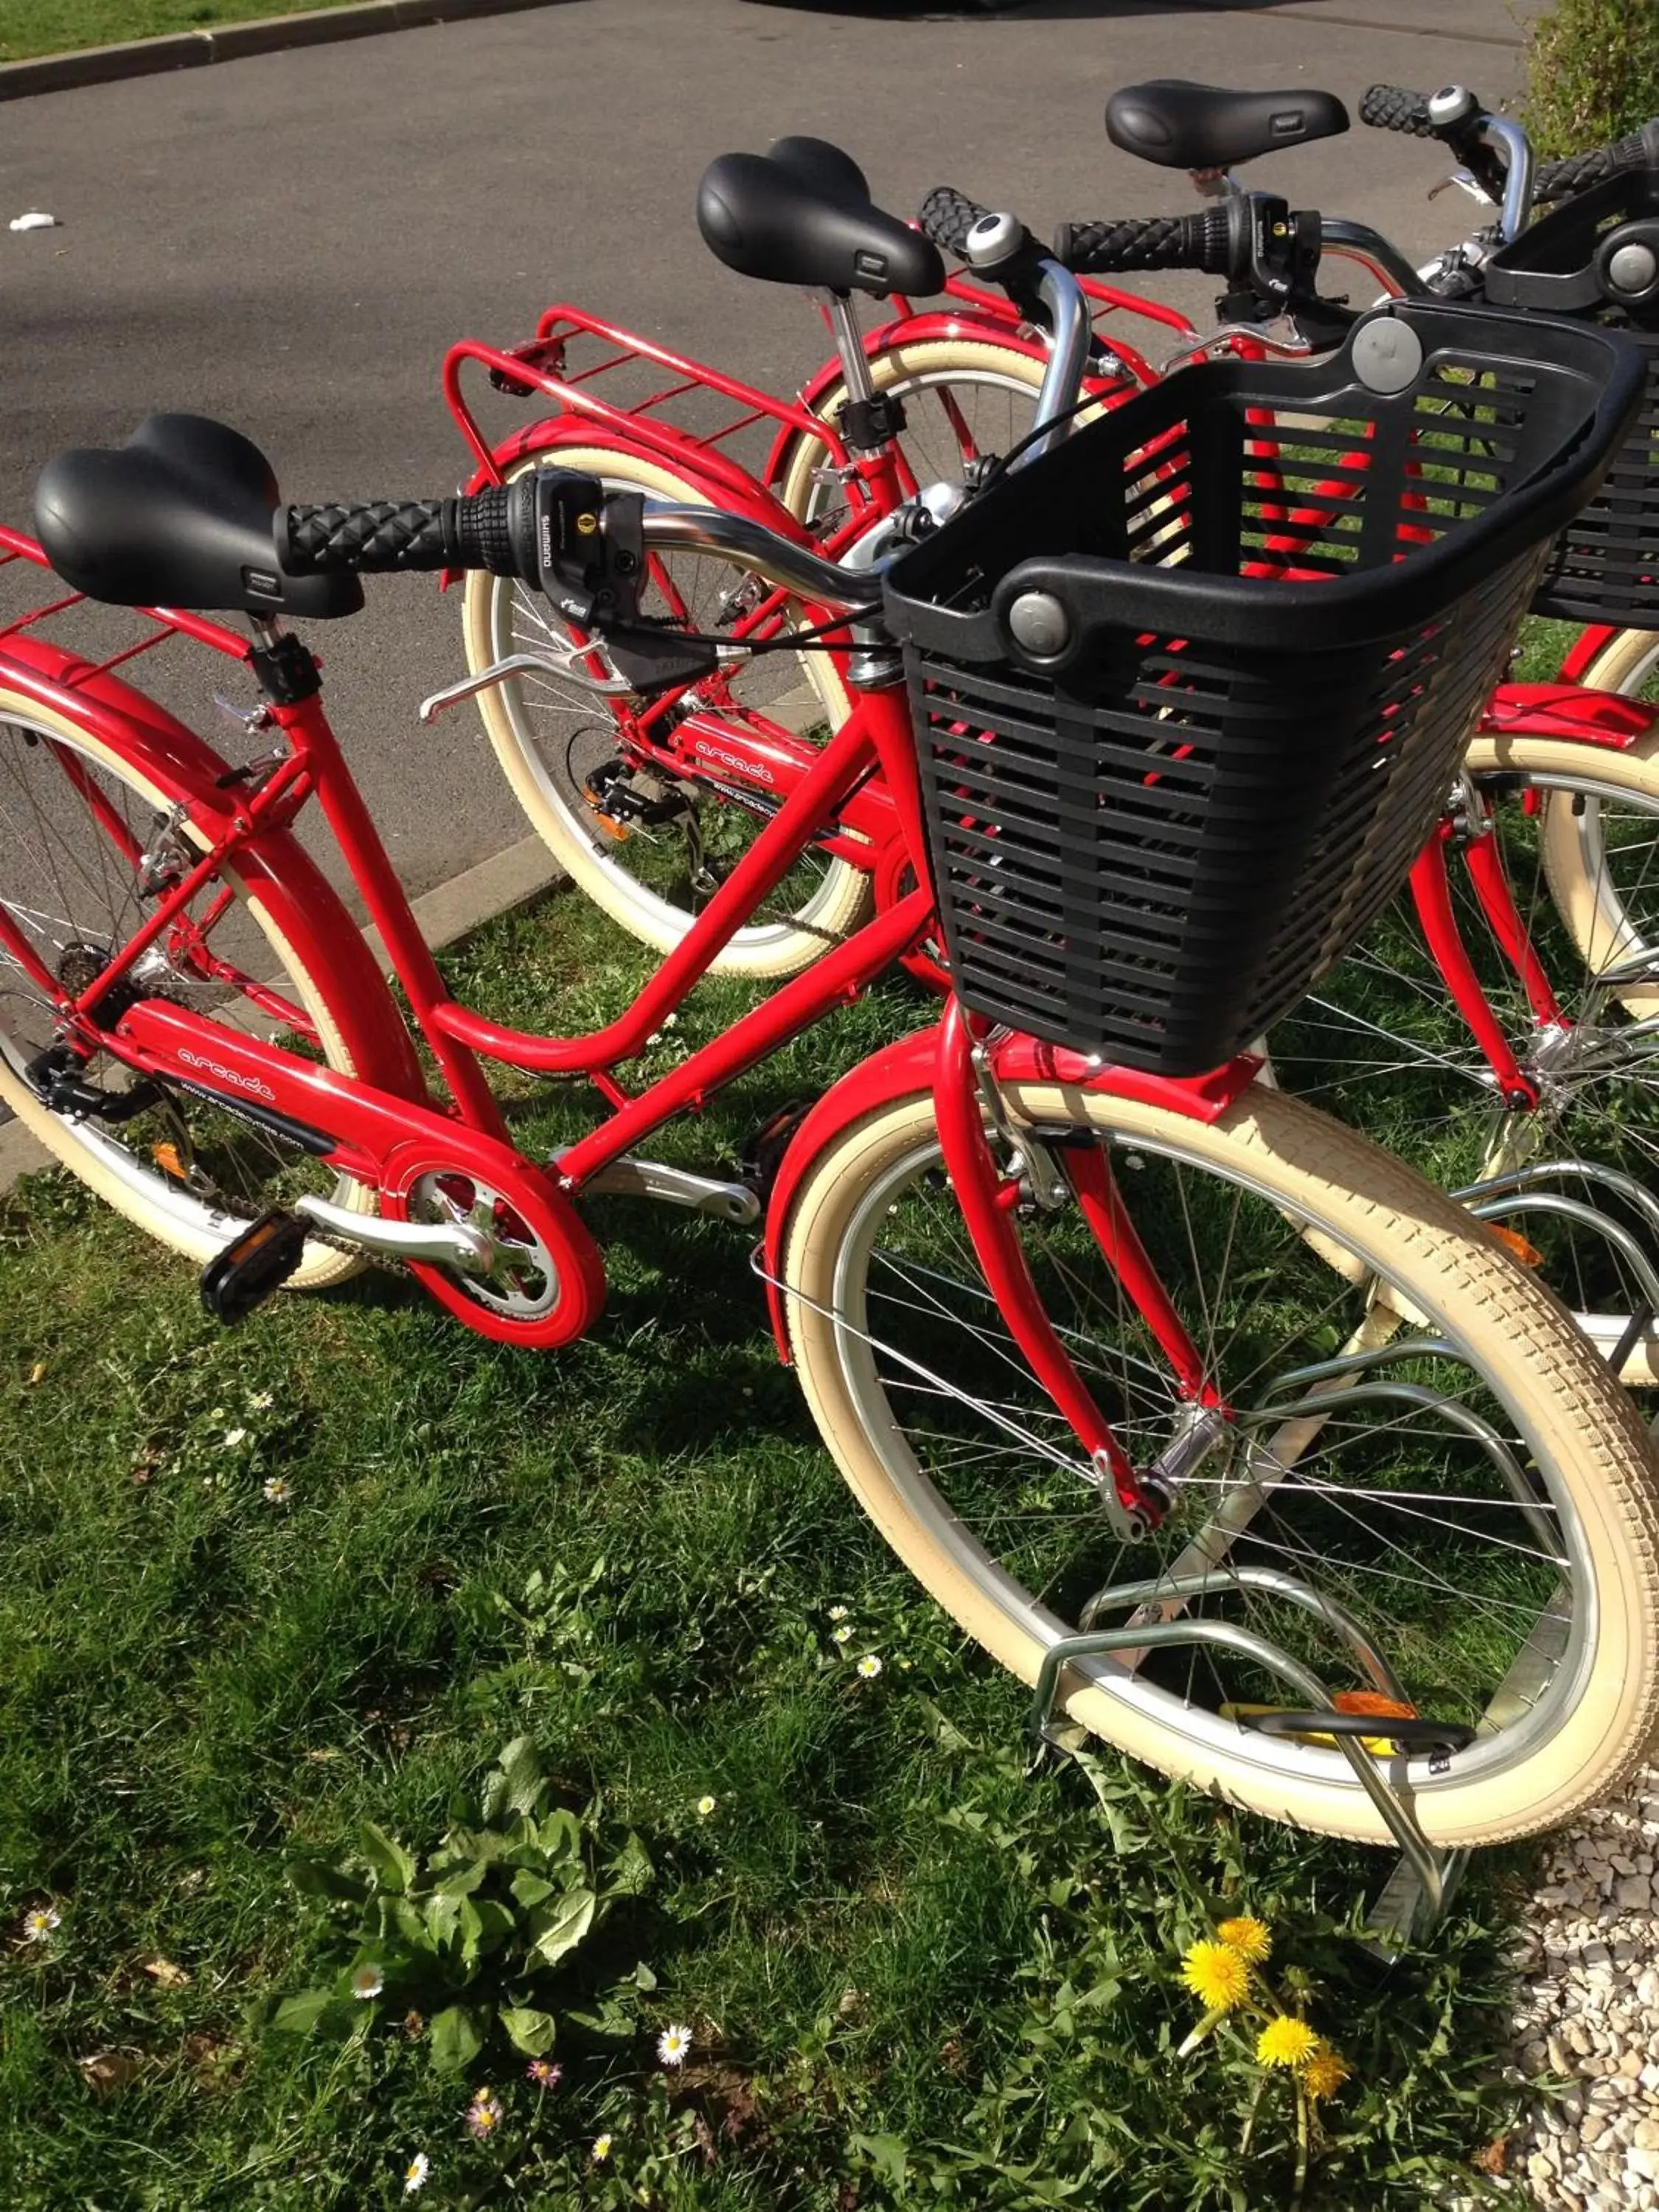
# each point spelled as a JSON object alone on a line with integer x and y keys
{"x": 144, "y": 1194}
{"x": 1581, "y": 1428}
{"x": 763, "y": 950}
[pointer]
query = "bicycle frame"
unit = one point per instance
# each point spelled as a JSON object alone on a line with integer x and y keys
{"x": 390, "y": 1139}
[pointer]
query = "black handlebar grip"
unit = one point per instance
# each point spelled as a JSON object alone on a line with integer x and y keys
{"x": 1204, "y": 242}
{"x": 948, "y": 216}
{"x": 1559, "y": 180}
{"x": 379, "y": 534}
{"x": 1391, "y": 107}
{"x": 387, "y": 536}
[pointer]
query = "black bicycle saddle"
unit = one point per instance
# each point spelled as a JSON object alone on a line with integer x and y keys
{"x": 802, "y": 214}
{"x": 180, "y": 516}
{"x": 1204, "y": 126}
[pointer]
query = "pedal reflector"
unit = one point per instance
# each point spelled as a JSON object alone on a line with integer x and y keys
{"x": 253, "y": 1266}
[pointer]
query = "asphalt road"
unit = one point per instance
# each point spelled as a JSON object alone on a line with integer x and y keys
{"x": 291, "y": 242}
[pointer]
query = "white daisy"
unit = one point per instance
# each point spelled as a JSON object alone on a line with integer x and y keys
{"x": 844, "y": 1633}
{"x": 869, "y": 1666}
{"x": 601, "y": 2150}
{"x": 367, "y": 1982}
{"x": 262, "y": 1402}
{"x": 673, "y": 2045}
{"x": 277, "y": 1492}
{"x": 416, "y": 2172}
{"x": 234, "y": 1436}
{"x": 39, "y": 1924}
{"x": 705, "y": 1807}
{"x": 839, "y": 1611}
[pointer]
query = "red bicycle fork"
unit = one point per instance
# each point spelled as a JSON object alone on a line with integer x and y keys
{"x": 1431, "y": 895}
{"x": 988, "y": 1200}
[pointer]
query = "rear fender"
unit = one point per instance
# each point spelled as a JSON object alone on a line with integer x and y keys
{"x": 272, "y": 866}
{"x": 1569, "y": 711}
{"x": 1588, "y": 646}
{"x": 906, "y": 1066}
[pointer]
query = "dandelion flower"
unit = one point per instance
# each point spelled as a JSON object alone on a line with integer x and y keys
{"x": 234, "y": 1436}
{"x": 1285, "y": 2042}
{"x": 673, "y": 2045}
{"x": 416, "y": 2172}
{"x": 1251, "y": 1938}
{"x": 1325, "y": 2071}
{"x": 839, "y": 1611}
{"x": 844, "y": 1634}
{"x": 869, "y": 1666}
{"x": 601, "y": 2150}
{"x": 545, "y": 2074}
{"x": 483, "y": 2116}
{"x": 39, "y": 1924}
{"x": 367, "y": 1982}
{"x": 277, "y": 1492}
{"x": 1217, "y": 1976}
{"x": 705, "y": 1807}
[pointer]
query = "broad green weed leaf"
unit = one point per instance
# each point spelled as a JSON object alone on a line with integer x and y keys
{"x": 529, "y": 2032}
{"x": 557, "y": 1929}
{"x": 457, "y": 2035}
{"x": 393, "y": 1867}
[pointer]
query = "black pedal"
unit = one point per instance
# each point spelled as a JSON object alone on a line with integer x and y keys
{"x": 258, "y": 1262}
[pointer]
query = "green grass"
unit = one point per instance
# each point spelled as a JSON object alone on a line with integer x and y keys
{"x": 57, "y": 27}
{"x": 916, "y": 1977}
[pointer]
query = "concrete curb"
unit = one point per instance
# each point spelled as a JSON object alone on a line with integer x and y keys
{"x": 445, "y": 915}
{"x": 232, "y": 42}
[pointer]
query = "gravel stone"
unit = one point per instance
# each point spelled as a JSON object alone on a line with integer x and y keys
{"x": 1586, "y": 2005}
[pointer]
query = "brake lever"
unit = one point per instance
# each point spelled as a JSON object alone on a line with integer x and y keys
{"x": 1465, "y": 183}
{"x": 561, "y": 665}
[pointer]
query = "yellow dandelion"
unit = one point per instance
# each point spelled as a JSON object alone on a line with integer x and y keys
{"x": 1285, "y": 2042}
{"x": 1217, "y": 1976}
{"x": 1250, "y": 1937}
{"x": 1325, "y": 2071}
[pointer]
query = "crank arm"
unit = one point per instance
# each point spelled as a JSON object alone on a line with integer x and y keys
{"x": 629, "y": 1178}
{"x": 442, "y": 1244}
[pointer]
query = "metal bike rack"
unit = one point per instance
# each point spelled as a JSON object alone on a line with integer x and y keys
{"x": 1523, "y": 1190}
{"x": 1410, "y": 1905}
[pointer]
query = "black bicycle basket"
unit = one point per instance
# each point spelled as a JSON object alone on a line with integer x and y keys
{"x": 1597, "y": 256}
{"x": 1190, "y": 691}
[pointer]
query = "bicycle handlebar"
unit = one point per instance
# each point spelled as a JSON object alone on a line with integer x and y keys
{"x": 1205, "y": 241}
{"x": 947, "y": 216}
{"x": 1210, "y": 242}
{"x": 383, "y": 536}
{"x": 1391, "y": 107}
{"x": 1561, "y": 180}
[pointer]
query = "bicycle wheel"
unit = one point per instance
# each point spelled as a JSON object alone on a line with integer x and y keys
{"x": 965, "y": 399}
{"x": 578, "y": 774}
{"x": 1413, "y": 1431}
{"x": 89, "y": 845}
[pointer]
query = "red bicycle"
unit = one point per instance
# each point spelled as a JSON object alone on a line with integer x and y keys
{"x": 1095, "y": 1340}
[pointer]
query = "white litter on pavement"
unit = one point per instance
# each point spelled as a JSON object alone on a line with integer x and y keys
{"x": 36, "y": 222}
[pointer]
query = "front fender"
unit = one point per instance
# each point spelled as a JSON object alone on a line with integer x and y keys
{"x": 907, "y": 1066}
{"x": 1566, "y": 710}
